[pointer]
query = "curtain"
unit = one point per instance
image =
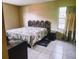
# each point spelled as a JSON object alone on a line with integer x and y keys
{"x": 71, "y": 24}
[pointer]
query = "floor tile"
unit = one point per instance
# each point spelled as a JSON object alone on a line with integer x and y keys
{"x": 56, "y": 56}
{"x": 55, "y": 50}
{"x": 68, "y": 57}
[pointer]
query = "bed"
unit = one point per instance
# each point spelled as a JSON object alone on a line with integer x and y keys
{"x": 35, "y": 31}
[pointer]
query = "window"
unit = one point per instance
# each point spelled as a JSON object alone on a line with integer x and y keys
{"x": 62, "y": 18}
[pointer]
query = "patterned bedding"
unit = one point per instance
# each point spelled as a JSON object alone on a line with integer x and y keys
{"x": 29, "y": 34}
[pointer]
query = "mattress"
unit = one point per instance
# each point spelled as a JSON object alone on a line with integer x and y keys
{"x": 29, "y": 34}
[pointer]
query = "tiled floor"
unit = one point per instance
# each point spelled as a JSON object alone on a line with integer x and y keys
{"x": 55, "y": 50}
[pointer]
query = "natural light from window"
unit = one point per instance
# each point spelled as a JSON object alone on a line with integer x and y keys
{"x": 62, "y": 18}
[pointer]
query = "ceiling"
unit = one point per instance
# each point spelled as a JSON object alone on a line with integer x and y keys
{"x": 24, "y": 2}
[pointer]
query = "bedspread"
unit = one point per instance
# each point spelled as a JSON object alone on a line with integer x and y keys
{"x": 29, "y": 34}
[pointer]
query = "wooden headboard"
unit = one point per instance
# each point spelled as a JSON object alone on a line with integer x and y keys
{"x": 43, "y": 24}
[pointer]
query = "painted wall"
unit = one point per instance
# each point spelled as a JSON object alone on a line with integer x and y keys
{"x": 44, "y": 11}
{"x": 11, "y": 16}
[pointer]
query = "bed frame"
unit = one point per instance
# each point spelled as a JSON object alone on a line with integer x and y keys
{"x": 43, "y": 24}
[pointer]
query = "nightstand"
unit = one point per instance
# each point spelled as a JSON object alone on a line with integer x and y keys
{"x": 52, "y": 36}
